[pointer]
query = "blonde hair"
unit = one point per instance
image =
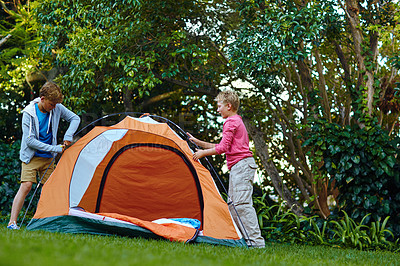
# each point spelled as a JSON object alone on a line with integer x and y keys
{"x": 52, "y": 92}
{"x": 230, "y": 97}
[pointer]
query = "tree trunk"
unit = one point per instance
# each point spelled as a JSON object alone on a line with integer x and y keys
{"x": 322, "y": 87}
{"x": 305, "y": 75}
{"x": 45, "y": 75}
{"x": 262, "y": 152}
{"x": 127, "y": 98}
{"x": 352, "y": 14}
{"x": 322, "y": 199}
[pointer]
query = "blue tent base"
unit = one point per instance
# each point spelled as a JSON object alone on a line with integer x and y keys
{"x": 82, "y": 225}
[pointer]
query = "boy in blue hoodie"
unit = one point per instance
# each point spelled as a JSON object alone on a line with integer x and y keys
{"x": 40, "y": 121}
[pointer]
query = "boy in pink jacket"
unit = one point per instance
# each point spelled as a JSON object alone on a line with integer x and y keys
{"x": 240, "y": 161}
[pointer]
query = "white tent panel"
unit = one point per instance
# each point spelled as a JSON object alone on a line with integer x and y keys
{"x": 88, "y": 159}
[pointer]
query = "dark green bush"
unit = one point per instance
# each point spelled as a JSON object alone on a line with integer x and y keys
{"x": 363, "y": 164}
{"x": 278, "y": 224}
{"x": 10, "y": 170}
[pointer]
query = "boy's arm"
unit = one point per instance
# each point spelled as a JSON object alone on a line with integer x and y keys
{"x": 203, "y": 144}
{"x": 73, "y": 120}
{"x": 227, "y": 137}
{"x": 202, "y": 153}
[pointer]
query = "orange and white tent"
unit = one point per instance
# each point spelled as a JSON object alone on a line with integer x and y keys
{"x": 135, "y": 178}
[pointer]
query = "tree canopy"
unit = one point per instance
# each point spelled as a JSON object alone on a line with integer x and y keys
{"x": 313, "y": 64}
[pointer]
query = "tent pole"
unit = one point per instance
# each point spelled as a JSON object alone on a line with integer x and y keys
{"x": 214, "y": 173}
{"x": 34, "y": 193}
{"x": 186, "y": 138}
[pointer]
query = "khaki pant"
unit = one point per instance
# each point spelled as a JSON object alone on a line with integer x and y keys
{"x": 241, "y": 191}
{"x": 37, "y": 166}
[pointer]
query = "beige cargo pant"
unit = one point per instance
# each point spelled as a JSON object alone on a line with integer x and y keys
{"x": 240, "y": 191}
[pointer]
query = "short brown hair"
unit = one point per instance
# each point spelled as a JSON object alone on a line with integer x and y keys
{"x": 230, "y": 97}
{"x": 52, "y": 92}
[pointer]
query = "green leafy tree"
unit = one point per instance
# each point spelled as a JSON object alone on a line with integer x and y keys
{"x": 160, "y": 57}
{"x": 147, "y": 56}
{"x": 120, "y": 51}
{"x": 18, "y": 60}
{"x": 312, "y": 61}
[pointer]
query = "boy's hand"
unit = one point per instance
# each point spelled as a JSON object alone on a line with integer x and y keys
{"x": 198, "y": 154}
{"x": 67, "y": 143}
{"x": 62, "y": 147}
{"x": 191, "y": 138}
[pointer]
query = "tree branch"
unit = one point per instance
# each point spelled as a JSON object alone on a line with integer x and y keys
{"x": 322, "y": 86}
{"x": 159, "y": 98}
{"x": 2, "y": 41}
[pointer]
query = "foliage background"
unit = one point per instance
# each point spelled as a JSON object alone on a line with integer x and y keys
{"x": 319, "y": 83}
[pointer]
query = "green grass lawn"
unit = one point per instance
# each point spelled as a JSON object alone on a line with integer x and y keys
{"x": 24, "y": 247}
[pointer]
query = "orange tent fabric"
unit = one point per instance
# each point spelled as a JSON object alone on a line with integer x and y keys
{"x": 170, "y": 231}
